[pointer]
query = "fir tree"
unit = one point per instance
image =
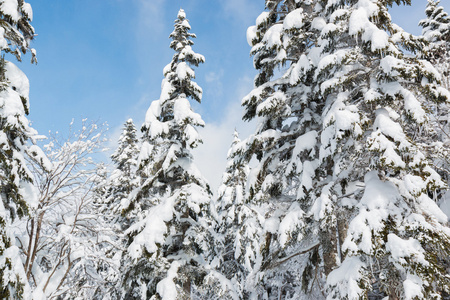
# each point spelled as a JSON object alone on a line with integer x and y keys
{"x": 168, "y": 239}
{"x": 16, "y": 34}
{"x": 344, "y": 177}
{"x": 436, "y": 31}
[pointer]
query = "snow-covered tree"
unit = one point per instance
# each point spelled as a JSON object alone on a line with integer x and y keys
{"x": 60, "y": 240}
{"x": 123, "y": 179}
{"x": 168, "y": 239}
{"x": 230, "y": 212}
{"x": 436, "y": 30}
{"x": 110, "y": 193}
{"x": 344, "y": 185}
{"x": 288, "y": 126}
{"x": 16, "y": 34}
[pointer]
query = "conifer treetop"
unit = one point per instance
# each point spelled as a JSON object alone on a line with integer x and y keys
{"x": 179, "y": 73}
{"x": 170, "y": 208}
{"x": 436, "y": 27}
{"x": 126, "y": 152}
{"x": 16, "y": 31}
{"x": 171, "y": 118}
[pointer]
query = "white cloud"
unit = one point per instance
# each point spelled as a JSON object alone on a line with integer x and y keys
{"x": 214, "y": 80}
{"x": 211, "y": 157}
{"x": 214, "y": 76}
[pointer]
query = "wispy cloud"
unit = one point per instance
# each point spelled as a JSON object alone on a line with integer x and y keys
{"x": 214, "y": 80}
{"x": 211, "y": 157}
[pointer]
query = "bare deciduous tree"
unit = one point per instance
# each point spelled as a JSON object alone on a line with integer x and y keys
{"x": 61, "y": 238}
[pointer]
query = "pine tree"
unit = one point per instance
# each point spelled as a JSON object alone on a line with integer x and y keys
{"x": 168, "y": 239}
{"x": 344, "y": 182}
{"x": 16, "y": 34}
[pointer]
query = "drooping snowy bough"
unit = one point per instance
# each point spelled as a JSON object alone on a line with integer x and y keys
{"x": 168, "y": 238}
{"x": 345, "y": 186}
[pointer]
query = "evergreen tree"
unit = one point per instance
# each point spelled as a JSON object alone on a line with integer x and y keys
{"x": 284, "y": 146}
{"x": 344, "y": 182}
{"x": 231, "y": 211}
{"x": 114, "y": 190}
{"x": 436, "y": 30}
{"x": 123, "y": 179}
{"x": 16, "y": 34}
{"x": 168, "y": 240}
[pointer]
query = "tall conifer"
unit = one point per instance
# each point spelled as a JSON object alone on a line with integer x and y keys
{"x": 231, "y": 212}
{"x": 123, "y": 180}
{"x": 168, "y": 241}
{"x": 344, "y": 179}
{"x": 16, "y": 34}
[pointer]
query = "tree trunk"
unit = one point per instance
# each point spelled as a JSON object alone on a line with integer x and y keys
{"x": 393, "y": 294}
{"x": 36, "y": 242}
{"x": 342, "y": 226}
{"x": 328, "y": 241}
{"x": 187, "y": 289}
{"x": 30, "y": 245}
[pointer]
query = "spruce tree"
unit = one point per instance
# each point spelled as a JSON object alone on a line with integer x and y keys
{"x": 436, "y": 31}
{"x": 123, "y": 179}
{"x": 344, "y": 183}
{"x": 230, "y": 212}
{"x": 284, "y": 146}
{"x": 113, "y": 190}
{"x": 16, "y": 34}
{"x": 168, "y": 240}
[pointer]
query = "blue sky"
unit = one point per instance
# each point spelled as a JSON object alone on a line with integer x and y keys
{"x": 103, "y": 60}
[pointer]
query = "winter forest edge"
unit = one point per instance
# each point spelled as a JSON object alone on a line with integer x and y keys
{"x": 336, "y": 195}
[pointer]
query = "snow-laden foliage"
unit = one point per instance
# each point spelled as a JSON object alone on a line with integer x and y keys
{"x": 16, "y": 34}
{"x": 285, "y": 147}
{"x": 110, "y": 192}
{"x": 345, "y": 177}
{"x": 168, "y": 237}
{"x": 436, "y": 30}
{"x": 61, "y": 239}
{"x": 230, "y": 211}
{"x": 123, "y": 179}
